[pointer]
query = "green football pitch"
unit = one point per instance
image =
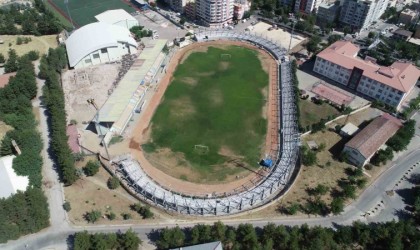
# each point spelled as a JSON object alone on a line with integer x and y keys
{"x": 84, "y": 11}
{"x": 212, "y": 111}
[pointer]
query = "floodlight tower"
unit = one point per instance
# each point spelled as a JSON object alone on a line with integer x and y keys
{"x": 92, "y": 102}
{"x": 66, "y": 2}
{"x": 293, "y": 19}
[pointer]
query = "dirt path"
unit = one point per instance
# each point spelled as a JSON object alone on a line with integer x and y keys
{"x": 140, "y": 128}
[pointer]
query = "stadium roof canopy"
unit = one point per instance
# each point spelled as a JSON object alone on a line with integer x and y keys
{"x": 10, "y": 182}
{"x": 93, "y": 37}
{"x": 115, "y": 16}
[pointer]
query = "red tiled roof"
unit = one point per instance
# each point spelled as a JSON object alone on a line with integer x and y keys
{"x": 374, "y": 135}
{"x": 4, "y": 79}
{"x": 401, "y": 76}
{"x": 73, "y": 139}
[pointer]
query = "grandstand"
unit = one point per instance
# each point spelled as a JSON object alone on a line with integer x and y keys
{"x": 263, "y": 191}
{"x": 117, "y": 111}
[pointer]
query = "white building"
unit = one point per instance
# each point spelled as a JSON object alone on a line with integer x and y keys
{"x": 307, "y": 7}
{"x": 10, "y": 182}
{"x": 214, "y": 13}
{"x": 359, "y": 14}
{"x": 98, "y": 43}
{"x": 118, "y": 17}
{"x": 390, "y": 85}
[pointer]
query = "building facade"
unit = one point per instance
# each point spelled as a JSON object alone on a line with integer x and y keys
{"x": 327, "y": 13}
{"x": 408, "y": 16}
{"x": 390, "y": 85}
{"x": 214, "y": 13}
{"x": 98, "y": 43}
{"x": 359, "y": 14}
{"x": 307, "y": 7}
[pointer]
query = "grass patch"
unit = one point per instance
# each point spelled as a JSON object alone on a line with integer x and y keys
{"x": 311, "y": 113}
{"x": 214, "y": 101}
{"x": 60, "y": 17}
{"x": 37, "y": 43}
{"x": 149, "y": 147}
{"x": 83, "y": 12}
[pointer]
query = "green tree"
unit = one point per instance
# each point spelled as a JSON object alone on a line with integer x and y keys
{"x": 337, "y": 205}
{"x": 11, "y": 64}
{"x": 346, "y": 30}
{"x": 308, "y": 157}
{"x": 246, "y": 237}
{"x": 312, "y": 45}
{"x": 91, "y": 168}
{"x": 129, "y": 240}
{"x": 82, "y": 241}
{"x": 218, "y": 231}
{"x": 66, "y": 206}
{"x": 93, "y": 216}
{"x": 333, "y": 38}
{"x": 112, "y": 216}
{"x": 113, "y": 182}
{"x": 2, "y": 59}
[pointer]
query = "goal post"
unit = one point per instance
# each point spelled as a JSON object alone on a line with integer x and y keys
{"x": 201, "y": 149}
{"x": 225, "y": 57}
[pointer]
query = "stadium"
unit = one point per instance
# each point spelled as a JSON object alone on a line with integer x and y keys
{"x": 257, "y": 192}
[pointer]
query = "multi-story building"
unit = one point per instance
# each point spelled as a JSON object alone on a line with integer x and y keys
{"x": 327, "y": 13}
{"x": 417, "y": 32}
{"x": 390, "y": 85}
{"x": 408, "y": 16}
{"x": 240, "y": 7}
{"x": 189, "y": 9}
{"x": 307, "y": 7}
{"x": 214, "y": 13}
{"x": 359, "y": 14}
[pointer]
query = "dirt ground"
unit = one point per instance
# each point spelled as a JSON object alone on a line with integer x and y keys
{"x": 38, "y": 43}
{"x": 4, "y": 128}
{"x": 140, "y": 130}
{"x": 92, "y": 193}
{"x": 81, "y": 84}
{"x": 279, "y": 36}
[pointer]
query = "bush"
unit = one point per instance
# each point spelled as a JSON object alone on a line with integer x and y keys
{"x": 403, "y": 136}
{"x": 308, "y": 157}
{"x": 144, "y": 211}
{"x": 113, "y": 182}
{"x": 91, "y": 168}
{"x": 66, "y": 206}
{"x": 126, "y": 216}
{"x": 112, "y": 216}
{"x": 93, "y": 216}
{"x": 33, "y": 55}
{"x": 2, "y": 59}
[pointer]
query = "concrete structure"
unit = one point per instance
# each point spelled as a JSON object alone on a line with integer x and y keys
{"x": 117, "y": 111}
{"x": 98, "y": 43}
{"x": 307, "y": 7}
{"x": 214, "y": 13}
{"x": 348, "y": 130}
{"x": 217, "y": 245}
{"x": 118, "y": 17}
{"x": 366, "y": 143}
{"x": 327, "y": 13}
{"x": 10, "y": 182}
{"x": 359, "y": 14}
{"x": 402, "y": 34}
{"x": 390, "y": 85}
{"x": 408, "y": 16}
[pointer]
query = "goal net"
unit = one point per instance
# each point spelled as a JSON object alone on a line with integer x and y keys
{"x": 201, "y": 149}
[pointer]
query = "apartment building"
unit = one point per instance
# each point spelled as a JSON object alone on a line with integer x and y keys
{"x": 307, "y": 7}
{"x": 214, "y": 13}
{"x": 408, "y": 16}
{"x": 391, "y": 85}
{"x": 327, "y": 13}
{"x": 359, "y": 14}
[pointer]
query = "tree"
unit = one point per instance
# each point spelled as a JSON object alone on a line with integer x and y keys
{"x": 246, "y": 237}
{"x": 91, "y": 168}
{"x": 333, "y": 38}
{"x": 112, "y": 216}
{"x": 382, "y": 156}
{"x": 11, "y": 64}
{"x": 312, "y": 45}
{"x": 66, "y": 206}
{"x": 218, "y": 231}
{"x": 144, "y": 211}
{"x": 292, "y": 209}
{"x": 371, "y": 35}
{"x": 2, "y": 59}
{"x": 82, "y": 241}
{"x": 129, "y": 240}
{"x": 113, "y": 182}
{"x": 346, "y": 30}
{"x": 308, "y": 157}
{"x": 182, "y": 20}
{"x": 126, "y": 216}
{"x": 93, "y": 216}
{"x": 337, "y": 205}
{"x": 403, "y": 137}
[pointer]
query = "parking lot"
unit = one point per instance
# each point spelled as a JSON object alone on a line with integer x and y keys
{"x": 155, "y": 21}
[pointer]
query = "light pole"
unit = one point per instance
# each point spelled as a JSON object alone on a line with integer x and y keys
{"x": 292, "y": 17}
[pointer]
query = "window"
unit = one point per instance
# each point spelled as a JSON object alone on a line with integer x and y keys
{"x": 88, "y": 61}
{"x": 103, "y": 51}
{"x": 377, "y": 96}
{"x": 95, "y": 56}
